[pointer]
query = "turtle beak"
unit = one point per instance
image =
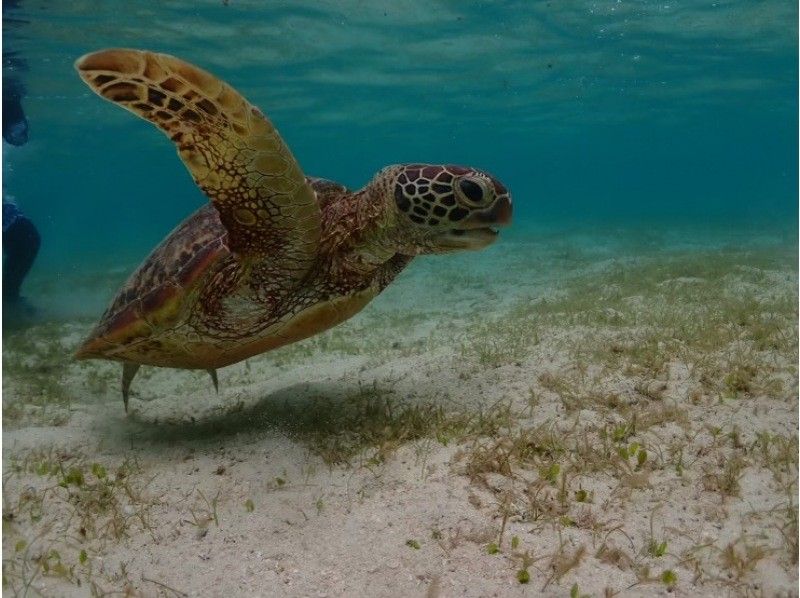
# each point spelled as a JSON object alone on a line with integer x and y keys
{"x": 478, "y": 230}
{"x": 496, "y": 216}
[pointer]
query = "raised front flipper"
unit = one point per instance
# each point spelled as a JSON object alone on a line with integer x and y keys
{"x": 232, "y": 150}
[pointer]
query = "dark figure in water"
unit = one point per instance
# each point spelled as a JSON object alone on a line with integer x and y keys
{"x": 15, "y": 125}
{"x": 20, "y": 245}
{"x": 20, "y": 238}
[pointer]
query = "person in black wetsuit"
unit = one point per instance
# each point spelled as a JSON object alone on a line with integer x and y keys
{"x": 20, "y": 245}
{"x": 21, "y": 240}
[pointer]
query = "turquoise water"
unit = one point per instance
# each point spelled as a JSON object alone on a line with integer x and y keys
{"x": 639, "y": 115}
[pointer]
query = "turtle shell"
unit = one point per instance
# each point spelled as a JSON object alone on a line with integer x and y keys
{"x": 154, "y": 297}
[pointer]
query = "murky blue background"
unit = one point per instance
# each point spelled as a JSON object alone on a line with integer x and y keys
{"x": 611, "y": 113}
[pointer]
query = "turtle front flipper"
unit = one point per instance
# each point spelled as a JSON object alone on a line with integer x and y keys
{"x": 231, "y": 149}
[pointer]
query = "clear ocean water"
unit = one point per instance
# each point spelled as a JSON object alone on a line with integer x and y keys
{"x": 623, "y": 115}
{"x": 604, "y": 402}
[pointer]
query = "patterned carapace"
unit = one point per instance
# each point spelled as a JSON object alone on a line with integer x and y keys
{"x": 279, "y": 257}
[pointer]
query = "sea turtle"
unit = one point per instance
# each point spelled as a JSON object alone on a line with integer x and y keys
{"x": 276, "y": 257}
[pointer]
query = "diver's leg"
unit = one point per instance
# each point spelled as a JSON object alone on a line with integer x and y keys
{"x": 21, "y": 245}
{"x": 15, "y": 125}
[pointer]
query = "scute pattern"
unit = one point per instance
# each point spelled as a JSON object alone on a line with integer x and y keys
{"x": 213, "y": 309}
{"x": 426, "y": 194}
{"x": 157, "y": 294}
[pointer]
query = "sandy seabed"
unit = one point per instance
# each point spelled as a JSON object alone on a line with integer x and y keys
{"x": 564, "y": 417}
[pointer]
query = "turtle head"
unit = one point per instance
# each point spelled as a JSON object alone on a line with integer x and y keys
{"x": 448, "y": 208}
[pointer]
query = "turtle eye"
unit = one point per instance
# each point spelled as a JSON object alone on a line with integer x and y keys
{"x": 473, "y": 192}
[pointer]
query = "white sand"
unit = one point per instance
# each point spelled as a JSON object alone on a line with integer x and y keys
{"x": 231, "y": 495}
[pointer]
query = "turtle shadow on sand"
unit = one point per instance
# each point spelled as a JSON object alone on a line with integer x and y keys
{"x": 332, "y": 420}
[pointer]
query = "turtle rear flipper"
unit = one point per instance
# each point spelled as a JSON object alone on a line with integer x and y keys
{"x": 231, "y": 149}
{"x": 213, "y": 373}
{"x": 129, "y": 370}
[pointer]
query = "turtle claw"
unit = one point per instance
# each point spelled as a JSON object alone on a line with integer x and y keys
{"x": 213, "y": 373}
{"x": 128, "y": 372}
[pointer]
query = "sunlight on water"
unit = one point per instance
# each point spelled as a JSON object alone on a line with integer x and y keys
{"x": 590, "y": 110}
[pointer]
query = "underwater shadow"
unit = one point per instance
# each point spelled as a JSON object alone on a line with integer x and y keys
{"x": 333, "y": 420}
{"x": 297, "y": 408}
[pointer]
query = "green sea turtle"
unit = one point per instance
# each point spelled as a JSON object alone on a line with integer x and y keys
{"x": 276, "y": 257}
